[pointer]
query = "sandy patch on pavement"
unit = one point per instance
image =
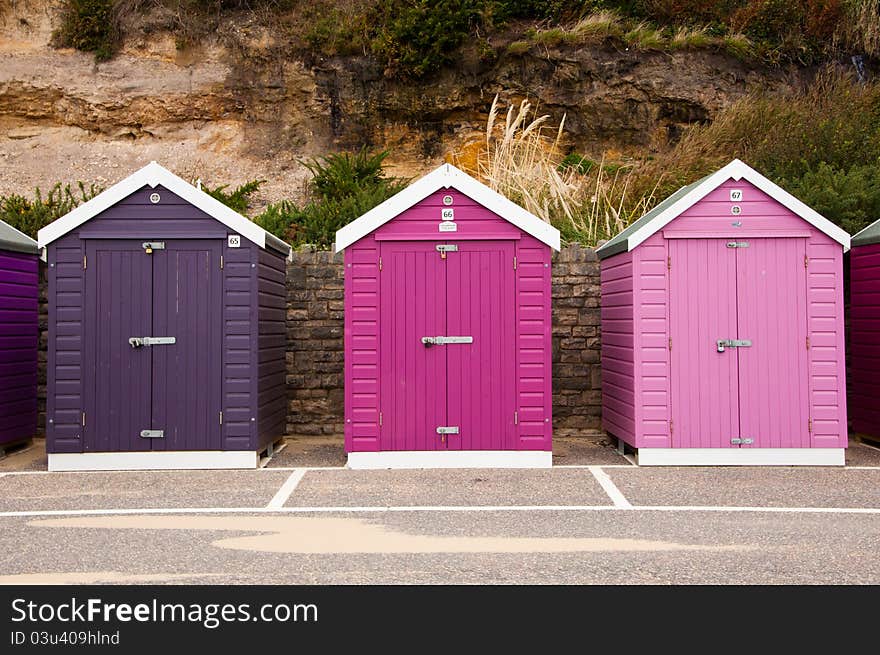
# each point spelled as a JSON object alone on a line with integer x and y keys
{"x": 307, "y": 535}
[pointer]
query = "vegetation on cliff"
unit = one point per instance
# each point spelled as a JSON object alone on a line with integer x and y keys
{"x": 415, "y": 38}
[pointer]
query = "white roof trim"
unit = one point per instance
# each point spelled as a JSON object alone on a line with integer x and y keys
{"x": 153, "y": 175}
{"x": 445, "y": 177}
{"x": 738, "y": 170}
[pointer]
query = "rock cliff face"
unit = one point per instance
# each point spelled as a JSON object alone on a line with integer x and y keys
{"x": 251, "y": 106}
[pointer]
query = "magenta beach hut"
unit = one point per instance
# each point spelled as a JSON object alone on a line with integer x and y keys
{"x": 447, "y": 329}
{"x": 19, "y": 335}
{"x": 166, "y": 331}
{"x": 864, "y": 332}
{"x": 722, "y": 328}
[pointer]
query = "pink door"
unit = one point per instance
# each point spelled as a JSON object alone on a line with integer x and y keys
{"x": 702, "y": 310}
{"x": 772, "y": 296}
{"x": 751, "y": 389}
{"x": 464, "y": 383}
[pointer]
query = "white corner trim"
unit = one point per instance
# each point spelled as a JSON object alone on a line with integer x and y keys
{"x": 444, "y": 177}
{"x": 152, "y": 175}
{"x": 451, "y": 459}
{"x": 154, "y": 460}
{"x": 740, "y": 456}
{"x": 738, "y": 170}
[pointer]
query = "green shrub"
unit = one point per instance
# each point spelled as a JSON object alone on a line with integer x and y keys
{"x": 239, "y": 199}
{"x": 90, "y": 26}
{"x": 417, "y": 37}
{"x": 343, "y": 187}
{"x": 30, "y": 215}
{"x": 849, "y": 198}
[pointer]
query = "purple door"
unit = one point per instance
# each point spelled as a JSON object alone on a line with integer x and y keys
{"x": 751, "y": 389}
{"x": 170, "y": 389}
{"x": 465, "y": 384}
{"x": 187, "y": 301}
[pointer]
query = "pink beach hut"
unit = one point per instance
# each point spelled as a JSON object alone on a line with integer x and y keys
{"x": 722, "y": 328}
{"x": 864, "y": 332}
{"x": 447, "y": 329}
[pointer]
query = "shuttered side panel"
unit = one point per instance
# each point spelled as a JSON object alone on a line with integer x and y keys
{"x": 650, "y": 316}
{"x": 825, "y": 324}
{"x": 533, "y": 345}
{"x": 239, "y": 348}
{"x": 864, "y": 339}
{"x": 64, "y": 393}
{"x": 362, "y": 346}
{"x": 19, "y": 334}
{"x": 272, "y": 405}
{"x": 618, "y": 368}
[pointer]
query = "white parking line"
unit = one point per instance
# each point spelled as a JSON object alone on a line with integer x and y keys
{"x": 610, "y": 488}
{"x": 439, "y": 508}
{"x": 286, "y": 489}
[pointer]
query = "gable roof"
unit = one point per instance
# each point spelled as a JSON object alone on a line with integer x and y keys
{"x": 444, "y": 177}
{"x": 869, "y": 235}
{"x": 687, "y": 196}
{"x": 12, "y": 239}
{"x": 153, "y": 175}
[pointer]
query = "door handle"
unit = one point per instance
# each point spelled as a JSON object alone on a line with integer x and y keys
{"x": 442, "y": 341}
{"x": 732, "y": 343}
{"x": 137, "y": 342}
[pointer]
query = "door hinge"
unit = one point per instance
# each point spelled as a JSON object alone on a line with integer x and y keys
{"x": 85, "y": 262}
{"x": 516, "y": 418}
{"x": 221, "y": 262}
{"x": 380, "y": 263}
{"x": 670, "y": 427}
{"x": 808, "y": 342}
{"x": 669, "y": 263}
{"x": 810, "y": 426}
{"x": 514, "y": 262}
{"x": 380, "y": 419}
{"x": 84, "y": 419}
{"x": 221, "y": 418}
{"x": 670, "y": 343}
{"x": 806, "y": 261}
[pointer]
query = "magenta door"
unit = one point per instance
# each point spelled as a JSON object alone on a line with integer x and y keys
{"x": 412, "y": 300}
{"x": 751, "y": 389}
{"x": 466, "y": 386}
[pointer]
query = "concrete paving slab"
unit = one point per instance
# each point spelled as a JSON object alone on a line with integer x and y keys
{"x": 861, "y": 454}
{"x": 448, "y": 488}
{"x": 749, "y": 486}
{"x": 138, "y": 489}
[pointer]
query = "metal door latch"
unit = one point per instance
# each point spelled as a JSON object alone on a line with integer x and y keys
{"x": 150, "y": 246}
{"x": 444, "y": 248}
{"x": 732, "y": 343}
{"x": 447, "y": 429}
{"x": 137, "y": 342}
{"x": 153, "y": 434}
{"x": 736, "y": 441}
{"x": 737, "y": 244}
{"x": 442, "y": 341}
